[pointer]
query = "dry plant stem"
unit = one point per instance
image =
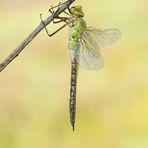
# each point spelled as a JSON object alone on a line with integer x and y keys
{"x": 22, "y": 45}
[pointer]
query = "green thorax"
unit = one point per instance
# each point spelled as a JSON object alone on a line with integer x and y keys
{"x": 75, "y": 31}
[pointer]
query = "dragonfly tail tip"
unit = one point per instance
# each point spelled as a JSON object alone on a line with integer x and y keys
{"x": 73, "y": 127}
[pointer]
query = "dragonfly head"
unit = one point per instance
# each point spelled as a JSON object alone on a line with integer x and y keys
{"x": 76, "y": 11}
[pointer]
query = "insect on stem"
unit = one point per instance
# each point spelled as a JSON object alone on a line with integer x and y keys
{"x": 22, "y": 45}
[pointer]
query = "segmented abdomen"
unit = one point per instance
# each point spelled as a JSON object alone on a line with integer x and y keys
{"x": 72, "y": 102}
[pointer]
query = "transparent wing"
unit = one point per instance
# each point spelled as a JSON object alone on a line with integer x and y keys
{"x": 91, "y": 40}
{"x": 89, "y": 59}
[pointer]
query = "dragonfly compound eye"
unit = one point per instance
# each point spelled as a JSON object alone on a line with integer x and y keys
{"x": 77, "y": 11}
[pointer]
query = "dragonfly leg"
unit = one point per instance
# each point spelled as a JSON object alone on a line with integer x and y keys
{"x": 67, "y": 13}
{"x": 51, "y": 10}
{"x": 50, "y": 35}
{"x": 69, "y": 10}
{"x": 60, "y": 19}
{"x": 54, "y": 31}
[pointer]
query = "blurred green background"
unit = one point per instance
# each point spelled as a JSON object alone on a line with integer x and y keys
{"x": 112, "y": 104}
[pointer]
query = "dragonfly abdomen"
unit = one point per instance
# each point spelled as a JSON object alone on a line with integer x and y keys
{"x": 74, "y": 46}
{"x": 72, "y": 102}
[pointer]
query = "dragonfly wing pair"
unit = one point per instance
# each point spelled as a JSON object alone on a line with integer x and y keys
{"x": 91, "y": 40}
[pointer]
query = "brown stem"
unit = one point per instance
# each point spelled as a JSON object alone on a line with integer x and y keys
{"x": 22, "y": 45}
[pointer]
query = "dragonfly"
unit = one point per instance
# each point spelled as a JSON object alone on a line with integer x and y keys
{"x": 84, "y": 44}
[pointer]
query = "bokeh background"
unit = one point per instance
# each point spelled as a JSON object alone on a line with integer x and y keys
{"x": 112, "y": 104}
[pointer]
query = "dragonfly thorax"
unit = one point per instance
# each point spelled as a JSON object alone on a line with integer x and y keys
{"x": 74, "y": 33}
{"x": 70, "y": 22}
